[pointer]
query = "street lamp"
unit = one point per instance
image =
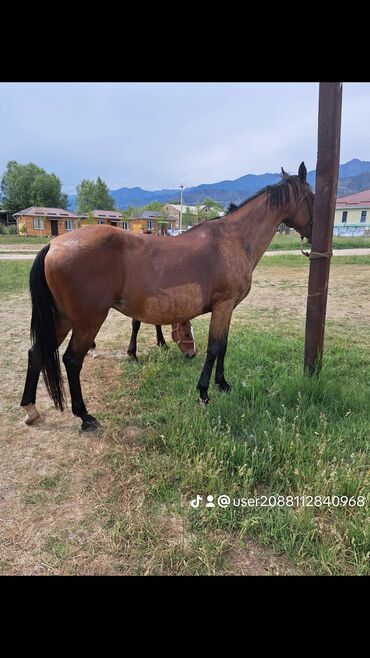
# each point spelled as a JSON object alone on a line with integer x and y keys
{"x": 181, "y": 188}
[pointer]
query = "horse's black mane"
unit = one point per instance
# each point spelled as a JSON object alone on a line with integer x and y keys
{"x": 277, "y": 194}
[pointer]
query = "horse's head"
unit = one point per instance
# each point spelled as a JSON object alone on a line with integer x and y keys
{"x": 183, "y": 335}
{"x": 300, "y": 217}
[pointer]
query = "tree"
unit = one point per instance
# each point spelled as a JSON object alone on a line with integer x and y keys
{"x": 199, "y": 213}
{"x": 90, "y": 218}
{"x": 93, "y": 196}
{"x": 46, "y": 191}
{"x": 132, "y": 211}
{"x": 188, "y": 217}
{"x": 156, "y": 206}
{"x": 28, "y": 185}
{"x": 212, "y": 204}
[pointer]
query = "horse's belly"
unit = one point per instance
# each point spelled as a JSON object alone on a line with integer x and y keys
{"x": 167, "y": 305}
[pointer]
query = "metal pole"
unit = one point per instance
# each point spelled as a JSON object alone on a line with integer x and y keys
{"x": 330, "y": 109}
{"x": 181, "y": 188}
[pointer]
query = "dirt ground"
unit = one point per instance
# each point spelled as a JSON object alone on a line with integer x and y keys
{"x": 57, "y": 485}
{"x": 283, "y": 291}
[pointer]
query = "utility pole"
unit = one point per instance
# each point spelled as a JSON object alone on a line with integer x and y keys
{"x": 327, "y": 169}
{"x": 181, "y": 188}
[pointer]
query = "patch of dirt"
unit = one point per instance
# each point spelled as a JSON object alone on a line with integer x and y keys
{"x": 251, "y": 559}
{"x": 54, "y": 479}
{"x": 18, "y": 248}
{"x": 14, "y": 256}
{"x": 284, "y": 293}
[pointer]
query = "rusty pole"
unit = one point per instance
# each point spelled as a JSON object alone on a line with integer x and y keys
{"x": 327, "y": 169}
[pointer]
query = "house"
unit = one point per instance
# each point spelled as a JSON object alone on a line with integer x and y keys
{"x": 45, "y": 221}
{"x": 150, "y": 221}
{"x": 173, "y": 211}
{"x": 352, "y": 214}
{"x": 111, "y": 217}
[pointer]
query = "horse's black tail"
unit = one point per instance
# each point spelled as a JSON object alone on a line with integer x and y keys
{"x": 43, "y": 332}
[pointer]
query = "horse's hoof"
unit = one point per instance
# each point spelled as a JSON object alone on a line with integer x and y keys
{"x": 204, "y": 401}
{"x": 33, "y": 415}
{"x": 33, "y": 421}
{"x": 132, "y": 356}
{"x": 90, "y": 424}
{"x": 224, "y": 387}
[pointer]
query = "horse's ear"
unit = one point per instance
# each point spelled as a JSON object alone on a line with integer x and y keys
{"x": 284, "y": 173}
{"x": 302, "y": 172}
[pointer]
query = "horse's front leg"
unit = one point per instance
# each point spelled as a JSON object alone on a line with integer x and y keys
{"x": 217, "y": 343}
{"x": 219, "y": 378}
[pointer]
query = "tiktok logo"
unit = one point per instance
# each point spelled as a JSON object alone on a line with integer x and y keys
{"x": 195, "y": 503}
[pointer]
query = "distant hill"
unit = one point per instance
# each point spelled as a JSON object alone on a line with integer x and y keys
{"x": 354, "y": 176}
{"x": 354, "y": 184}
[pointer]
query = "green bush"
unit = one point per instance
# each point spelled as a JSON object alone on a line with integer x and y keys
{"x": 8, "y": 230}
{"x": 11, "y": 230}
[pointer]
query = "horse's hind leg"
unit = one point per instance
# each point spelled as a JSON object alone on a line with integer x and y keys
{"x": 92, "y": 351}
{"x": 131, "y": 350}
{"x": 160, "y": 338}
{"x": 62, "y": 327}
{"x": 30, "y": 387}
{"x": 80, "y": 343}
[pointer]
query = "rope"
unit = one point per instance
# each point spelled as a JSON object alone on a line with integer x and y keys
{"x": 317, "y": 254}
{"x": 323, "y": 254}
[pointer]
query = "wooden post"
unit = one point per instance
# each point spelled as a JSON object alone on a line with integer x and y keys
{"x": 330, "y": 109}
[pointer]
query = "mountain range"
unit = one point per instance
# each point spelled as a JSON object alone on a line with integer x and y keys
{"x": 354, "y": 176}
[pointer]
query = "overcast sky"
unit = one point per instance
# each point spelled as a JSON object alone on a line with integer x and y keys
{"x": 157, "y": 135}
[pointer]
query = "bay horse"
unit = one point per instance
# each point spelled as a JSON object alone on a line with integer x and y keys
{"x": 182, "y": 334}
{"x": 79, "y": 276}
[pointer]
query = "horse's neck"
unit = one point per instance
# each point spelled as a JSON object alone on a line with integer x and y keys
{"x": 256, "y": 224}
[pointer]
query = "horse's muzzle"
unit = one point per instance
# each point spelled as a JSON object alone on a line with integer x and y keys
{"x": 189, "y": 355}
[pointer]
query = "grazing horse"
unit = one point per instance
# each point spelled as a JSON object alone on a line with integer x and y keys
{"x": 79, "y": 276}
{"x": 182, "y": 334}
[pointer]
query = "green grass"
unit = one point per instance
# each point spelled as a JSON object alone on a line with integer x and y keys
{"x": 302, "y": 261}
{"x": 16, "y": 239}
{"x": 57, "y": 547}
{"x": 14, "y": 276}
{"x": 50, "y": 482}
{"x": 277, "y": 433}
{"x": 294, "y": 242}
